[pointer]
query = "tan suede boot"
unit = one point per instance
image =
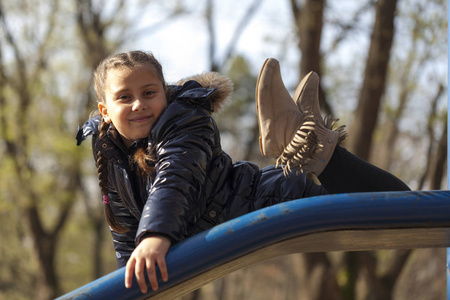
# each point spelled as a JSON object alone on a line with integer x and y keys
{"x": 294, "y": 134}
{"x": 283, "y": 127}
{"x": 313, "y": 155}
{"x": 278, "y": 115}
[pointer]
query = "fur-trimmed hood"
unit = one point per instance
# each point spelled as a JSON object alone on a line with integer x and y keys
{"x": 222, "y": 85}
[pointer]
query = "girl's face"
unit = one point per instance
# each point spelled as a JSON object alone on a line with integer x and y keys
{"x": 134, "y": 99}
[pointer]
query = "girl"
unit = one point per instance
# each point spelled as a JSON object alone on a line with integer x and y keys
{"x": 164, "y": 176}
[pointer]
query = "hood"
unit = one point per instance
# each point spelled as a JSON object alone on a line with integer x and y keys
{"x": 222, "y": 85}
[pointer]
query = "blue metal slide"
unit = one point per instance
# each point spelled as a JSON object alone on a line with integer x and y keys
{"x": 342, "y": 222}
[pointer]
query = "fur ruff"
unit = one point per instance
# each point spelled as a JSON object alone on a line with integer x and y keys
{"x": 223, "y": 87}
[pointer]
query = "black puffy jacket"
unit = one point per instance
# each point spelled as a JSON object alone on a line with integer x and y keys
{"x": 196, "y": 184}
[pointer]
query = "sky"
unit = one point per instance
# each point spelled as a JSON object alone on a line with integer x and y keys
{"x": 181, "y": 46}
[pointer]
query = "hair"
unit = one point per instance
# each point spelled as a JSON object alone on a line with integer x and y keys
{"x": 143, "y": 157}
{"x": 131, "y": 60}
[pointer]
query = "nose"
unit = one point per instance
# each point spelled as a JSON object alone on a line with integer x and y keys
{"x": 138, "y": 104}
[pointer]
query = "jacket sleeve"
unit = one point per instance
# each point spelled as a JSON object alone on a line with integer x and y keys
{"x": 183, "y": 137}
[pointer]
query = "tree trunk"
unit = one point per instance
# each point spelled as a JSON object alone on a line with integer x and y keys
{"x": 46, "y": 253}
{"x": 319, "y": 277}
{"x": 96, "y": 47}
{"x": 393, "y": 130}
{"x": 98, "y": 243}
{"x": 309, "y": 22}
{"x": 440, "y": 160}
{"x": 430, "y": 130}
{"x": 360, "y": 141}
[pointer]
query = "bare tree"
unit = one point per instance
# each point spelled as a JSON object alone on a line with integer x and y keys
{"x": 366, "y": 116}
{"x": 412, "y": 65}
{"x": 431, "y": 151}
{"x": 23, "y": 79}
{"x": 96, "y": 46}
{"x": 439, "y": 163}
{"x": 215, "y": 64}
{"x": 308, "y": 18}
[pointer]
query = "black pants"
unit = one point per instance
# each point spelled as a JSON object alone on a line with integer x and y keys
{"x": 347, "y": 173}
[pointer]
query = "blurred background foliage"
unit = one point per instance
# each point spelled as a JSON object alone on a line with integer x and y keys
{"x": 383, "y": 67}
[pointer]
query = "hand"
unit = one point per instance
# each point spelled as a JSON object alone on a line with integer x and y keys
{"x": 150, "y": 251}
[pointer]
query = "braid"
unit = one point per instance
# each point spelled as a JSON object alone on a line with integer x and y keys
{"x": 102, "y": 166}
{"x": 102, "y": 169}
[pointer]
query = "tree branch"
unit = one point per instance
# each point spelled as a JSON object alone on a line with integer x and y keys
{"x": 42, "y": 48}
{"x": 430, "y": 130}
{"x": 348, "y": 27}
{"x": 239, "y": 30}
{"x": 296, "y": 10}
{"x": 212, "y": 35}
{"x": 399, "y": 260}
{"x": 439, "y": 163}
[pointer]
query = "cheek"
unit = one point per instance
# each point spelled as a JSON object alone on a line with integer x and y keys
{"x": 119, "y": 112}
{"x": 118, "y": 117}
{"x": 162, "y": 106}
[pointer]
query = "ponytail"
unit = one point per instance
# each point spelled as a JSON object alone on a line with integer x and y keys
{"x": 146, "y": 162}
{"x": 102, "y": 169}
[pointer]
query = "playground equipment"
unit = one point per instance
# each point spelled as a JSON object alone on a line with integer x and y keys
{"x": 342, "y": 222}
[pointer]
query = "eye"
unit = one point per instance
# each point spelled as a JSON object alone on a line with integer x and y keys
{"x": 123, "y": 97}
{"x": 149, "y": 93}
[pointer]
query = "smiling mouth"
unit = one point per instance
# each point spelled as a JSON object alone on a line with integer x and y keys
{"x": 141, "y": 119}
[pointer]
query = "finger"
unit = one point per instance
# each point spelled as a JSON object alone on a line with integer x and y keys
{"x": 163, "y": 269}
{"x": 140, "y": 277}
{"x": 151, "y": 272}
{"x": 129, "y": 271}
